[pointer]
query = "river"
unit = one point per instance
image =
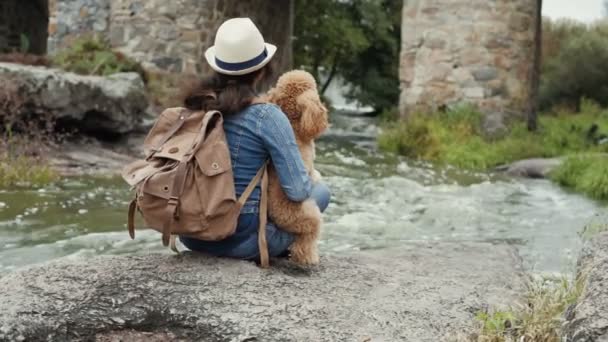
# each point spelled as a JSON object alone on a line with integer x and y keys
{"x": 379, "y": 200}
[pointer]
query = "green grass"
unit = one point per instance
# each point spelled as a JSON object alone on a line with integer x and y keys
{"x": 587, "y": 174}
{"x": 25, "y": 172}
{"x": 538, "y": 318}
{"x": 456, "y": 138}
{"x": 90, "y": 55}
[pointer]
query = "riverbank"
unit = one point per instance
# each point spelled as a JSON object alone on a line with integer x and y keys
{"x": 460, "y": 138}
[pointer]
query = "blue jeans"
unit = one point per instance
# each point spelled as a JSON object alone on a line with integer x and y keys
{"x": 278, "y": 240}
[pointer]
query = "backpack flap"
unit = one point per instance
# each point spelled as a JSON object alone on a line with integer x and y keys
{"x": 177, "y": 146}
{"x": 138, "y": 170}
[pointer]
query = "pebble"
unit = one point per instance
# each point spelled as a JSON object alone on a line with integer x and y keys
{"x": 82, "y": 211}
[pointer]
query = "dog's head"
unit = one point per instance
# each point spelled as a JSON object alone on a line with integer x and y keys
{"x": 296, "y": 93}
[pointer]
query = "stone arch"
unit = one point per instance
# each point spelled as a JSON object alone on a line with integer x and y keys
{"x": 27, "y": 19}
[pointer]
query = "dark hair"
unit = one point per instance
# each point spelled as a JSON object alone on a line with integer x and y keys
{"x": 227, "y": 93}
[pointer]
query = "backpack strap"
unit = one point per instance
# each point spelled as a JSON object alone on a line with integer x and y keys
{"x": 261, "y": 176}
{"x": 131, "y": 218}
{"x": 176, "y": 126}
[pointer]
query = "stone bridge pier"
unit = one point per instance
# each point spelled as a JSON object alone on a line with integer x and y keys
{"x": 479, "y": 52}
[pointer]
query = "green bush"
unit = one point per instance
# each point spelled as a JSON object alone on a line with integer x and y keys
{"x": 456, "y": 138}
{"x": 25, "y": 171}
{"x": 90, "y": 55}
{"x": 574, "y": 64}
{"x": 537, "y": 318}
{"x": 24, "y": 141}
{"x": 587, "y": 174}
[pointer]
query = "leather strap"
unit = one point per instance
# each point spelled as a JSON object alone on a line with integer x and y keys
{"x": 173, "y": 244}
{"x": 251, "y": 186}
{"x": 262, "y": 244}
{"x": 172, "y": 213}
{"x": 176, "y": 126}
{"x": 131, "y": 218}
{"x": 261, "y": 176}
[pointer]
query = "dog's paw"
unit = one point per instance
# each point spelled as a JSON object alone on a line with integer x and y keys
{"x": 303, "y": 255}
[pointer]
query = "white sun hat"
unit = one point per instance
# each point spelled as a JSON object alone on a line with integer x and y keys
{"x": 239, "y": 48}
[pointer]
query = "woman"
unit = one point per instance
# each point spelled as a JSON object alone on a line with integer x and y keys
{"x": 255, "y": 133}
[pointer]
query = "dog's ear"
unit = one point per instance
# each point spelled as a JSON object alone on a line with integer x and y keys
{"x": 313, "y": 120}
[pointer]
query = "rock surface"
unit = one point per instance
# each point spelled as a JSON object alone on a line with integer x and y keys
{"x": 89, "y": 158}
{"x": 531, "y": 168}
{"x": 588, "y": 320}
{"x": 100, "y": 105}
{"x": 419, "y": 292}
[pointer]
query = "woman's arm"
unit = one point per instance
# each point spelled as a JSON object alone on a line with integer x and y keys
{"x": 280, "y": 141}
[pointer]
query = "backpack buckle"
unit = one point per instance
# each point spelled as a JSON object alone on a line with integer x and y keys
{"x": 173, "y": 205}
{"x": 173, "y": 201}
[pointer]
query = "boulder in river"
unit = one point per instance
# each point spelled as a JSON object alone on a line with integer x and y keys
{"x": 419, "y": 292}
{"x": 98, "y": 105}
{"x": 587, "y": 320}
{"x": 531, "y": 168}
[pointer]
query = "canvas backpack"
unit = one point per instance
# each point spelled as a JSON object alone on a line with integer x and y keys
{"x": 185, "y": 184}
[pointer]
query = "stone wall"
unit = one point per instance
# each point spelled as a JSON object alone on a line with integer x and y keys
{"x": 468, "y": 51}
{"x": 169, "y": 35}
{"x": 19, "y": 19}
{"x": 72, "y": 18}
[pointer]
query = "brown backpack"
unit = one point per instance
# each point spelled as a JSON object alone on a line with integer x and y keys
{"x": 185, "y": 185}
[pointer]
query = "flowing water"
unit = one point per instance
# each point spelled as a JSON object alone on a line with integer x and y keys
{"x": 379, "y": 200}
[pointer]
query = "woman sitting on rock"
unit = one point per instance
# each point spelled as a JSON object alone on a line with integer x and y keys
{"x": 256, "y": 132}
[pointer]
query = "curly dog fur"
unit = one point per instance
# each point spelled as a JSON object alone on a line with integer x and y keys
{"x": 296, "y": 93}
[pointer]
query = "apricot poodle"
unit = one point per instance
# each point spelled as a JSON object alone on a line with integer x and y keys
{"x": 296, "y": 93}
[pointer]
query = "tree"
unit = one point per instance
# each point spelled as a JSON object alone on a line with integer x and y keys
{"x": 532, "y": 120}
{"x": 578, "y": 71}
{"x": 357, "y": 40}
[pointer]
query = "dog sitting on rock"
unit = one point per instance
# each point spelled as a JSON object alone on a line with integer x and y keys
{"x": 296, "y": 93}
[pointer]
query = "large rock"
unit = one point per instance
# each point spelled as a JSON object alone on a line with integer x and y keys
{"x": 531, "y": 168}
{"x": 94, "y": 104}
{"x": 419, "y": 292}
{"x": 588, "y": 320}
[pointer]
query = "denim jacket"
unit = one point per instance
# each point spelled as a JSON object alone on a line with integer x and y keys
{"x": 258, "y": 133}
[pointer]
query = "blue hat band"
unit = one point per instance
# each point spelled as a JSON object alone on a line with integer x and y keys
{"x": 242, "y": 65}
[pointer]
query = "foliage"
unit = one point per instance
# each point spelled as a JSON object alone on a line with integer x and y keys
{"x": 456, "y": 138}
{"x": 538, "y": 319}
{"x": 24, "y": 172}
{"x": 587, "y": 174}
{"x": 22, "y": 156}
{"x": 574, "y": 64}
{"x": 24, "y": 43}
{"x": 358, "y": 40}
{"x": 90, "y": 55}
{"x": 495, "y": 323}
